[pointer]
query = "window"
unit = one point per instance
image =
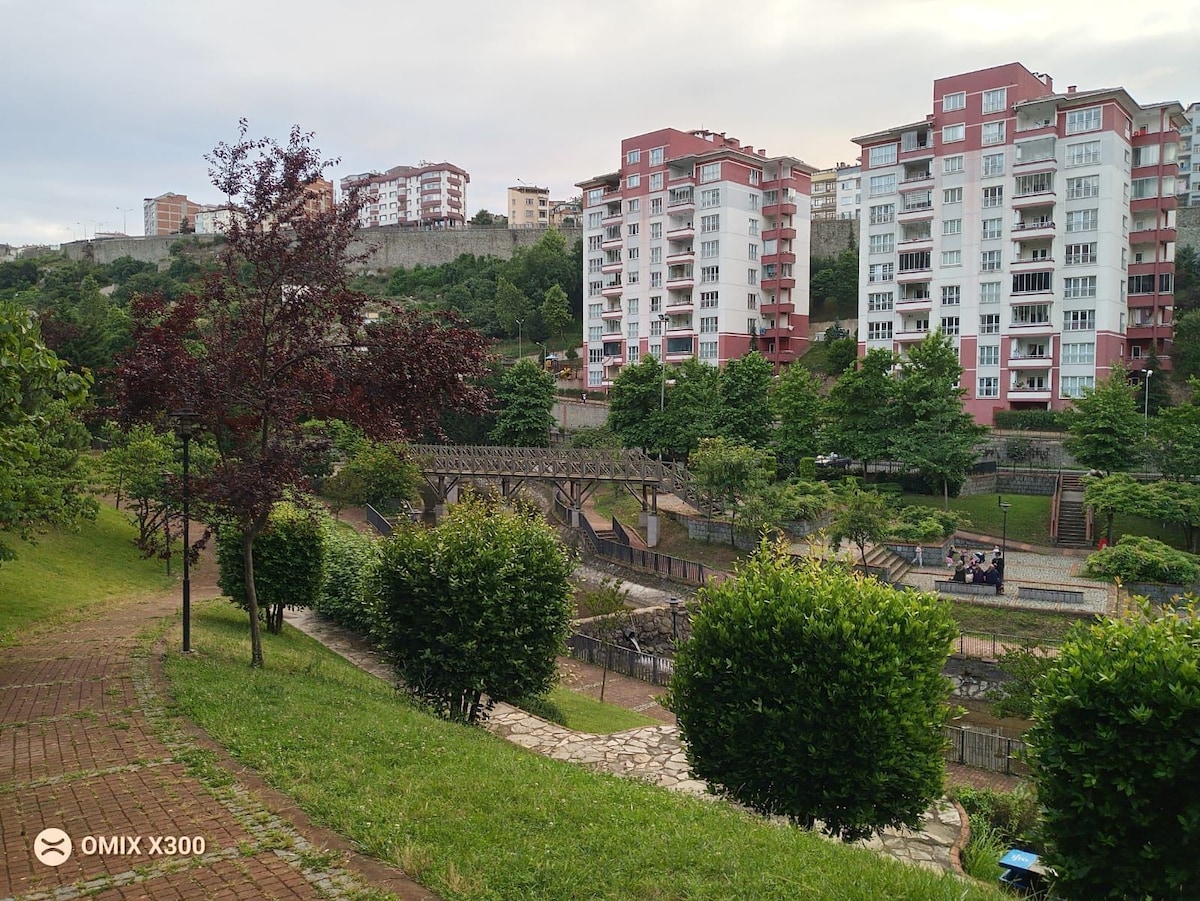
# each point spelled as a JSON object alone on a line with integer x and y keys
{"x": 595, "y": 354}
{"x": 595, "y": 264}
{"x": 1083, "y": 120}
{"x": 710, "y": 249}
{"x": 633, "y": 354}
{"x": 989, "y": 261}
{"x": 1083, "y": 220}
{"x": 1031, "y": 282}
{"x": 594, "y": 242}
{"x": 755, "y": 176}
{"x": 752, "y": 300}
{"x": 594, "y": 310}
{"x": 710, "y": 172}
{"x": 952, "y": 164}
{"x": 633, "y": 181}
{"x": 632, "y": 276}
{"x": 595, "y": 288}
{"x": 708, "y": 350}
{"x": 1079, "y": 353}
{"x": 995, "y": 101}
{"x": 884, "y": 155}
{"x": 989, "y": 324}
{"x": 993, "y": 164}
{"x": 708, "y": 325}
{"x": 710, "y": 223}
{"x": 655, "y": 231}
{"x": 952, "y": 133}
{"x": 1146, "y": 155}
{"x": 634, "y": 205}
{"x": 633, "y": 253}
{"x": 879, "y": 331}
{"x": 752, "y": 251}
{"x": 595, "y": 333}
{"x": 949, "y": 325}
{"x": 594, "y": 219}
{"x": 914, "y": 261}
{"x": 992, "y": 133}
{"x": 1074, "y": 385}
{"x": 1031, "y": 314}
{"x": 1083, "y": 186}
{"x": 631, "y": 330}
{"x": 993, "y": 197}
{"x": 656, "y": 156}
{"x": 595, "y": 377}
{"x": 654, "y": 350}
{"x": 883, "y": 214}
{"x": 709, "y": 300}
{"x": 989, "y": 386}
{"x": 1078, "y": 254}
{"x": 952, "y": 102}
{"x": 753, "y": 201}
{"x": 656, "y": 303}
{"x": 656, "y": 278}
{"x": 989, "y": 354}
{"x": 1142, "y": 188}
{"x": 992, "y": 228}
{"x": 754, "y": 226}
{"x": 655, "y": 255}
{"x": 1037, "y": 183}
{"x": 1079, "y": 287}
{"x": 656, "y": 182}
{"x": 951, "y": 295}
{"x": 881, "y": 243}
{"x": 1083, "y": 154}
{"x": 880, "y": 302}
{"x": 951, "y": 257}
{"x": 633, "y": 157}
{"x": 989, "y": 292}
{"x": 951, "y": 226}
{"x": 751, "y": 276}
{"x": 952, "y": 195}
{"x": 881, "y": 272}
{"x": 882, "y": 184}
{"x": 656, "y": 328}
{"x": 1141, "y": 284}
{"x": 710, "y": 274}
{"x": 917, "y": 200}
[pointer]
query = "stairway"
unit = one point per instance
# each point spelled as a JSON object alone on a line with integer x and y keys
{"x": 1072, "y": 513}
{"x": 897, "y": 567}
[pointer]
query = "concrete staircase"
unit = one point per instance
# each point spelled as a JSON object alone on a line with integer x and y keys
{"x": 1072, "y": 513}
{"x": 880, "y": 558}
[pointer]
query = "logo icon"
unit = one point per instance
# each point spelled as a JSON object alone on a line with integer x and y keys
{"x": 52, "y": 847}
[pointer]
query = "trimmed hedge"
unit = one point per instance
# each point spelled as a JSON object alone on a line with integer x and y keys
{"x": 349, "y": 560}
{"x": 1029, "y": 420}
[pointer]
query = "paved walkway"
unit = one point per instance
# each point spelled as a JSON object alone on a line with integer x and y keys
{"x": 652, "y": 753}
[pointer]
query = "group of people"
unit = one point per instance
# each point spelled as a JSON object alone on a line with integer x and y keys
{"x": 976, "y": 568}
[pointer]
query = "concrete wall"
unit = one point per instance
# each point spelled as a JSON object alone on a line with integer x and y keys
{"x": 1187, "y": 225}
{"x": 831, "y": 236}
{"x": 393, "y": 246}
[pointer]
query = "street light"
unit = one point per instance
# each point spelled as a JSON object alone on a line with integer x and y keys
{"x": 674, "y": 602}
{"x": 123, "y": 210}
{"x": 1146, "y": 405}
{"x": 185, "y": 427}
{"x": 662, "y": 388}
{"x": 1003, "y": 538}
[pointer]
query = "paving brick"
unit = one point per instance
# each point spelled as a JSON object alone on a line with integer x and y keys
{"x": 47, "y": 699}
{"x": 24, "y": 671}
{"x": 49, "y": 748}
{"x": 264, "y": 876}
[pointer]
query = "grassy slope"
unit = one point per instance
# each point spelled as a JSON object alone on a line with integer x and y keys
{"x": 66, "y": 571}
{"x": 1028, "y": 517}
{"x": 476, "y": 818}
{"x": 585, "y": 714}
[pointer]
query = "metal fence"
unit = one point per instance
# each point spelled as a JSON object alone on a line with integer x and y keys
{"x": 379, "y": 521}
{"x": 687, "y": 571}
{"x": 986, "y": 750}
{"x": 626, "y": 661}
{"x": 991, "y": 645}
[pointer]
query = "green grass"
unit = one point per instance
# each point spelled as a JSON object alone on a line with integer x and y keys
{"x": 584, "y": 714}
{"x": 1168, "y": 533}
{"x": 65, "y": 571}
{"x": 476, "y": 818}
{"x": 1028, "y": 517}
{"x": 1006, "y": 621}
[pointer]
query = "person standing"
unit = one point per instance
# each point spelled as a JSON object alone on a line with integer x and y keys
{"x": 920, "y": 556}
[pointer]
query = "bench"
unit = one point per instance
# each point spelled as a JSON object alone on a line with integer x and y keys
{"x": 1054, "y": 595}
{"x": 946, "y": 586}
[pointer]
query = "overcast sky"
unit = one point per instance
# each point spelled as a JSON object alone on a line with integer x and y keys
{"x": 106, "y": 102}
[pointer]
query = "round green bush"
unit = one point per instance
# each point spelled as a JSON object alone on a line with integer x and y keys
{"x": 1136, "y": 558}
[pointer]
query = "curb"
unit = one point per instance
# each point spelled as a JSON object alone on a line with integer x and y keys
{"x": 960, "y": 843}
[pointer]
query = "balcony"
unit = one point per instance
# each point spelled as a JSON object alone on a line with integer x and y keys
{"x": 684, "y": 231}
{"x": 779, "y": 234}
{"x": 612, "y": 238}
{"x": 611, "y": 266}
{"x": 916, "y": 176}
{"x": 911, "y": 334}
{"x": 777, "y": 309}
{"x": 612, "y": 216}
{"x": 1151, "y": 204}
{"x": 1031, "y": 385}
{"x": 915, "y": 304}
{"x": 1152, "y": 235}
{"x": 1032, "y": 199}
{"x": 678, "y": 304}
{"x": 680, "y": 280}
{"x": 915, "y": 212}
{"x": 1031, "y": 358}
{"x": 1034, "y": 227}
{"x": 613, "y": 312}
{"x": 613, "y": 288}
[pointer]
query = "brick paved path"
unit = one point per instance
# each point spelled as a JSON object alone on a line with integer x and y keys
{"x": 86, "y": 746}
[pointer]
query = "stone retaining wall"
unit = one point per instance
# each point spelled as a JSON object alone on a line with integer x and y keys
{"x": 651, "y": 625}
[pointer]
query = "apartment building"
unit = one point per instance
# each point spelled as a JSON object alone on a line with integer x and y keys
{"x": 528, "y": 207}
{"x": 431, "y": 195}
{"x": 849, "y": 191}
{"x": 1188, "y": 185}
{"x": 1035, "y": 228}
{"x": 697, "y": 246}
{"x": 824, "y": 195}
{"x": 167, "y": 213}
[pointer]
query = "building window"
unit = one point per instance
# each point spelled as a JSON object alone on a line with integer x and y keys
{"x": 1083, "y": 186}
{"x": 951, "y": 226}
{"x": 1031, "y": 282}
{"x": 656, "y": 181}
{"x": 989, "y": 324}
{"x": 989, "y": 292}
{"x": 708, "y": 350}
{"x": 1079, "y": 120}
{"x": 989, "y": 354}
{"x": 632, "y": 277}
{"x": 656, "y": 279}
{"x": 1079, "y": 353}
{"x": 1143, "y": 188}
{"x": 656, "y": 156}
{"x": 1147, "y": 155}
{"x": 1141, "y": 284}
{"x": 914, "y": 261}
{"x": 881, "y": 302}
{"x": 993, "y": 197}
{"x": 949, "y": 325}
{"x": 1083, "y": 220}
{"x": 633, "y": 157}
{"x": 1084, "y": 286}
{"x": 631, "y": 306}
{"x": 1085, "y": 154}
{"x": 952, "y": 164}
{"x": 881, "y": 243}
{"x": 952, "y": 195}
{"x": 951, "y": 258}
{"x": 594, "y": 219}
{"x": 631, "y": 330}
{"x": 952, "y": 102}
{"x": 753, "y": 226}
{"x": 992, "y": 228}
{"x": 710, "y": 224}
{"x": 656, "y": 303}
{"x": 883, "y": 155}
{"x": 751, "y": 276}
{"x": 656, "y": 328}
{"x": 882, "y": 184}
{"x": 655, "y": 255}
{"x": 595, "y": 354}
{"x": 1037, "y": 183}
{"x": 1080, "y": 254}
{"x": 594, "y": 310}
{"x": 952, "y": 133}
{"x": 879, "y": 331}
{"x": 752, "y": 251}
{"x": 709, "y": 300}
{"x": 1031, "y": 314}
{"x": 881, "y": 215}
{"x": 594, "y": 196}
{"x": 989, "y": 261}
{"x": 634, "y": 205}
{"x": 633, "y": 253}
{"x": 710, "y": 172}
{"x": 656, "y": 206}
{"x": 995, "y": 101}
{"x": 993, "y": 133}
{"x": 710, "y": 197}
{"x": 881, "y": 272}
{"x": 710, "y": 274}
{"x": 654, "y": 350}
{"x": 595, "y": 378}
{"x": 633, "y": 181}
{"x": 655, "y": 231}
{"x": 595, "y": 288}
{"x": 993, "y": 164}
{"x": 1075, "y": 385}
{"x": 951, "y": 295}
{"x": 708, "y": 325}
{"x": 988, "y": 386}
{"x": 595, "y": 333}
{"x": 709, "y": 249}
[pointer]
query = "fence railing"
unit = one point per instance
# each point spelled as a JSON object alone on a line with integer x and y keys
{"x": 619, "y": 531}
{"x": 687, "y": 571}
{"x": 381, "y": 523}
{"x": 992, "y": 644}
{"x": 626, "y": 661}
{"x": 986, "y": 750}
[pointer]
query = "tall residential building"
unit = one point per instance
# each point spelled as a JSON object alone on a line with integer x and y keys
{"x": 696, "y": 247}
{"x": 1035, "y": 228}
{"x": 165, "y": 214}
{"x": 824, "y": 194}
{"x": 431, "y": 195}
{"x": 528, "y": 207}
{"x": 1189, "y": 158}
{"x": 849, "y": 191}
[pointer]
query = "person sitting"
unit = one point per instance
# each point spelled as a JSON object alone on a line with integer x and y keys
{"x": 977, "y": 575}
{"x": 991, "y": 576}
{"x": 960, "y": 573}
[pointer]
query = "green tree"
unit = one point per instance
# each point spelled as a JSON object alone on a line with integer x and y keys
{"x": 1177, "y": 502}
{"x": 525, "y": 397}
{"x": 840, "y": 354}
{"x": 1155, "y": 396}
{"x": 1185, "y": 347}
{"x": 42, "y": 474}
{"x": 745, "y": 387}
{"x": 1110, "y": 495}
{"x": 607, "y": 605}
{"x": 729, "y": 475}
{"x": 1175, "y": 439}
{"x": 859, "y": 409}
{"x": 1187, "y": 279}
{"x": 933, "y": 434}
{"x": 816, "y": 694}
{"x": 383, "y": 471}
{"x": 512, "y": 307}
{"x": 1137, "y": 558}
{"x": 556, "y": 310}
{"x": 797, "y": 403}
{"x": 475, "y": 610}
{"x": 1104, "y": 425}
{"x": 833, "y": 284}
{"x": 543, "y": 265}
{"x": 693, "y": 408}
{"x": 633, "y": 404}
{"x": 862, "y": 517}
{"x": 1114, "y": 745}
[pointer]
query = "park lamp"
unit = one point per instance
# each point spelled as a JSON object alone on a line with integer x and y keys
{"x": 186, "y": 421}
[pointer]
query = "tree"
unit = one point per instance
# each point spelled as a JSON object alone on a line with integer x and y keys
{"x": 815, "y": 693}
{"x": 42, "y": 474}
{"x": 633, "y": 404}
{"x": 486, "y": 219}
{"x": 933, "y": 434}
{"x": 1137, "y": 558}
{"x": 1117, "y": 493}
{"x": 858, "y": 410}
{"x": 1175, "y": 439}
{"x": 745, "y": 387}
{"x": 512, "y": 306}
{"x": 834, "y": 283}
{"x": 274, "y": 337}
{"x": 1155, "y": 394}
{"x": 1114, "y": 749}
{"x": 1177, "y": 502}
{"x": 556, "y": 310}
{"x": 1104, "y": 425}
{"x": 385, "y": 472}
{"x": 525, "y": 398}
{"x": 863, "y": 517}
{"x": 1187, "y": 279}
{"x": 729, "y": 474}
{"x": 1185, "y": 348}
{"x": 797, "y": 403}
{"x": 543, "y": 265}
{"x": 475, "y": 610}
{"x": 607, "y": 606}
{"x": 693, "y": 408}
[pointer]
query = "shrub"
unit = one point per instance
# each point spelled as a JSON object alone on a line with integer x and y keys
{"x": 1115, "y": 748}
{"x": 918, "y": 524}
{"x": 1029, "y": 420}
{"x": 543, "y": 707}
{"x": 1025, "y": 668}
{"x": 816, "y": 694}
{"x": 981, "y": 856}
{"x": 288, "y": 563}
{"x": 349, "y": 559}
{"x": 1136, "y": 558}
{"x": 1012, "y": 817}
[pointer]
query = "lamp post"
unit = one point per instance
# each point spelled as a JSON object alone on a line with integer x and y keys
{"x": 185, "y": 427}
{"x": 1003, "y": 536}
{"x": 662, "y": 388}
{"x": 124, "y": 223}
{"x": 674, "y": 602}
{"x": 1146, "y": 402}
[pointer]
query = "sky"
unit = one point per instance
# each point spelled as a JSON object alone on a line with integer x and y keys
{"x": 107, "y": 102}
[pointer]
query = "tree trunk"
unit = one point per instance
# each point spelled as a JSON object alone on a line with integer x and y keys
{"x": 945, "y": 493}
{"x": 256, "y": 649}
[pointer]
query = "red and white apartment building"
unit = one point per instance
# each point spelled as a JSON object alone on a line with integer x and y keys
{"x": 1035, "y": 228}
{"x": 431, "y": 195}
{"x": 697, "y": 246}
